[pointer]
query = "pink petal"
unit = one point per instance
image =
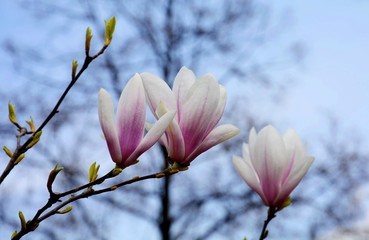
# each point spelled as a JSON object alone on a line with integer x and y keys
{"x": 131, "y": 116}
{"x": 173, "y": 135}
{"x": 152, "y": 136}
{"x": 182, "y": 84}
{"x": 198, "y": 111}
{"x": 269, "y": 161}
{"x": 247, "y": 172}
{"x": 297, "y": 173}
{"x": 218, "y": 135}
{"x": 106, "y": 117}
{"x": 162, "y": 140}
{"x": 157, "y": 90}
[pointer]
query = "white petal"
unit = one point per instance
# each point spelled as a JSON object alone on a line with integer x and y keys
{"x": 182, "y": 84}
{"x": 269, "y": 161}
{"x": 296, "y": 175}
{"x": 173, "y": 135}
{"x": 152, "y": 136}
{"x": 157, "y": 90}
{"x": 198, "y": 111}
{"x": 218, "y": 135}
{"x": 218, "y": 112}
{"x": 247, "y": 172}
{"x": 106, "y": 117}
{"x": 131, "y": 115}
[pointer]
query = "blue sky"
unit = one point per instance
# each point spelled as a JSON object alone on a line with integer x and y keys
{"x": 335, "y": 77}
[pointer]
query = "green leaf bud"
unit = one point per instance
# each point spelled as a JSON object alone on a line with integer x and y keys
{"x": 109, "y": 30}
{"x": 88, "y": 40}
{"x": 22, "y": 220}
{"x": 12, "y": 115}
{"x": 8, "y": 151}
{"x": 19, "y": 158}
{"x": 65, "y": 210}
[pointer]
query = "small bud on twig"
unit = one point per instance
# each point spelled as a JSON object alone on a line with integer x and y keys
{"x": 88, "y": 40}
{"x": 92, "y": 173}
{"x": 31, "y": 124}
{"x": 8, "y": 151}
{"x": 116, "y": 171}
{"x": 19, "y": 159}
{"x": 109, "y": 30}
{"x": 35, "y": 138}
{"x": 52, "y": 175}
{"x": 65, "y": 210}
{"x": 12, "y": 115}
{"x": 22, "y": 220}
{"x": 74, "y": 68}
{"x": 15, "y": 233}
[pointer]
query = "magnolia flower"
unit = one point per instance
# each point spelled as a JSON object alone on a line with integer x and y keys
{"x": 273, "y": 165}
{"x": 126, "y": 142}
{"x": 199, "y": 105}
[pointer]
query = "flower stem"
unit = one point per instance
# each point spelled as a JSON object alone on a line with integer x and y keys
{"x": 271, "y": 214}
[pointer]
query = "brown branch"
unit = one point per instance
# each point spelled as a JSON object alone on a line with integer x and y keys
{"x": 20, "y": 149}
{"x": 54, "y": 198}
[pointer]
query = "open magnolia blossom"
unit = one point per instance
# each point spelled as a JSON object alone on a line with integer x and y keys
{"x": 199, "y": 105}
{"x": 273, "y": 165}
{"x": 126, "y": 141}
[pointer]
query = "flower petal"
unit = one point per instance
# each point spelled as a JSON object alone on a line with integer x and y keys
{"x": 247, "y": 172}
{"x": 269, "y": 161}
{"x": 157, "y": 90}
{"x": 106, "y": 117}
{"x": 181, "y": 86}
{"x": 173, "y": 135}
{"x": 218, "y": 135}
{"x": 131, "y": 116}
{"x": 218, "y": 112}
{"x": 198, "y": 111}
{"x": 298, "y": 171}
{"x": 152, "y": 136}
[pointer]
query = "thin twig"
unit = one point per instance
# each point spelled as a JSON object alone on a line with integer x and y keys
{"x": 271, "y": 214}
{"x": 54, "y": 198}
{"x": 20, "y": 149}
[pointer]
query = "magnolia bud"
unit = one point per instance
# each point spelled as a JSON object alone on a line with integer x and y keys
{"x": 109, "y": 30}
{"x": 52, "y": 175}
{"x": 88, "y": 40}
{"x": 8, "y": 151}
{"x": 22, "y": 220}
{"x": 35, "y": 139}
{"x": 19, "y": 158}
{"x": 12, "y": 115}
{"x": 74, "y": 68}
{"x": 31, "y": 124}
{"x": 65, "y": 210}
{"x": 92, "y": 173}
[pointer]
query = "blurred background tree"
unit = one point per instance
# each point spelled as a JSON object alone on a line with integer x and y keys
{"x": 234, "y": 40}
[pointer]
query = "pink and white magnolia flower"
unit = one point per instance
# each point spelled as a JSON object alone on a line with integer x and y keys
{"x": 199, "y": 105}
{"x": 272, "y": 165}
{"x": 126, "y": 142}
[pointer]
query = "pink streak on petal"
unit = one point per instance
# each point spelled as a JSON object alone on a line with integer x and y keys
{"x": 106, "y": 117}
{"x": 131, "y": 116}
{"x": 152, "y": 136}
{"x": 176, "y": 146}
{"x": 269, "y": 161}
{"x": 218, "y": 135}
{"x": 198, "y": 111}
{"x": 247, "y": 172}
